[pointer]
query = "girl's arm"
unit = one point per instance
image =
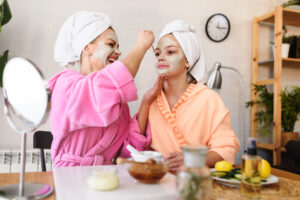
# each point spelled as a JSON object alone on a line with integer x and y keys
{"x": 148, "y": 98}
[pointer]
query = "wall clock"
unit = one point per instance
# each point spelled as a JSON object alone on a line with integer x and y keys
{"x": 217, "y": 27}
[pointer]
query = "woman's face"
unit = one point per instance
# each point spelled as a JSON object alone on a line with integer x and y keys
{"x": 105, "y": 50}
{"x": 169, "y": 56}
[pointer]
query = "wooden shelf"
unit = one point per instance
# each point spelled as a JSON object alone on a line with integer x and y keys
{"x": 268, "y": 146}
{"x": 287, "y": 62}
{"x": 290, "y": 17}
{"x": 264, "y": 82}
{"x": 279, "y": 17}
{"x": 265, "y": 146}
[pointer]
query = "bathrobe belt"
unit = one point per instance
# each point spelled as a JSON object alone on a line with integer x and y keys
{"x": 83, "y": 161}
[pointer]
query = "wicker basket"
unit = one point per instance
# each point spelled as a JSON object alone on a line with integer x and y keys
{"x": 287, "y": 136}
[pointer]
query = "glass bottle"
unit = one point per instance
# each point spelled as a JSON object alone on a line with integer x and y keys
{"x": 251, "y": 180}
{"x": 194, "y": 180}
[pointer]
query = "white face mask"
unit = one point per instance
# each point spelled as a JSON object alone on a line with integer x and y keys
{"x": 104, "y": 50}
{"x": 168, "y": 60}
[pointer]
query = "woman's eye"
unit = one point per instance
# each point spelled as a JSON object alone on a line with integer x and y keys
{"x": 111, "y": 44}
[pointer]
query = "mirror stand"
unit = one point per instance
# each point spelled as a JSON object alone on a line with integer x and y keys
{"x": 25, "y": 190}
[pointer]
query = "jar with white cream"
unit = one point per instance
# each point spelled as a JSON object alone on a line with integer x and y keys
{"x": 103, "y": 179}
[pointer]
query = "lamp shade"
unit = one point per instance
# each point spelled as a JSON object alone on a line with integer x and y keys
{"x": 214, "y": 77}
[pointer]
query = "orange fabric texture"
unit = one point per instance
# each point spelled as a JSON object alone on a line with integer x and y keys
{"x": 199, "y": 118}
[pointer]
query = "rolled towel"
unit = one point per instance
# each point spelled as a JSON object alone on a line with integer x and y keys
{"x": 190, "y": 44}
{"x": 78, "y": 30}
{"x": 293, "y": 149}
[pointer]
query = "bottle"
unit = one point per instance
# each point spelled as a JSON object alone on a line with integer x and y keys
{"x": 251, "y": 180}
{"x": 194, "y": 179}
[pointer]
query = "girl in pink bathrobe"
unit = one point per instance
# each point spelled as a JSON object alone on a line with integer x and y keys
{"x": 90, "y": 119}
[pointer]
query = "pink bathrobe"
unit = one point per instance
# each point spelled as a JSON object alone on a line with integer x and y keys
{"x": 90, "y": 119}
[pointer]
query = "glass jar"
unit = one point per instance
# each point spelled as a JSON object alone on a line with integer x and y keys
{"x": 103, "y": 178}
{"x": 194, "y": 180}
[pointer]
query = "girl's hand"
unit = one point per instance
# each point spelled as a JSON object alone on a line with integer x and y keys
{"x": 151, "y": 94}
{"x": 145, "y": 39}
{"x": 175, "y": 160}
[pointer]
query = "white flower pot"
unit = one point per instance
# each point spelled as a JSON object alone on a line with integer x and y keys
{"x": 284, "y": 50}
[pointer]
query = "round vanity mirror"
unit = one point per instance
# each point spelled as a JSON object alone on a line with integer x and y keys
{"x": 26, "y": 106}
{"x": 26, "y": 96}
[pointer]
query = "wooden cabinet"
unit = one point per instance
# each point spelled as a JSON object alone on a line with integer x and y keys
{"x": 279, "y": 17}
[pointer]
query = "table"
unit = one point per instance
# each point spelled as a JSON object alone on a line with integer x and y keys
{"x": 34, "y": 177}
{"x": 47, "y": 177}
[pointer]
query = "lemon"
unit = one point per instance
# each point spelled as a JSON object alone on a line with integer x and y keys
{"x": 248, "y": 169}
{"x": 264, "y": 168}
{"x": 223, "y": 166}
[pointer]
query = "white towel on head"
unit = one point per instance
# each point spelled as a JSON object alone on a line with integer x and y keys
{"x": 78, "y": 30}
{"x": 190, "y": 44}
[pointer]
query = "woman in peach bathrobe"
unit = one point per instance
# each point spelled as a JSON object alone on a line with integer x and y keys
{"x": 186, "y": 112}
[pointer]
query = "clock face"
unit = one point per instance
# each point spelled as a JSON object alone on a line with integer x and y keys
{"x": 217, "y": 27}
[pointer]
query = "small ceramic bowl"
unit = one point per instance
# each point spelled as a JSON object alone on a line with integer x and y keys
{"x": 143, "y": 156}
{"x": 149, "y": 171}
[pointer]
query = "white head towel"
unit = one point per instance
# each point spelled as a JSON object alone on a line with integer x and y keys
{"x": 78, "y": 31}
{"x": 190, "y": 44}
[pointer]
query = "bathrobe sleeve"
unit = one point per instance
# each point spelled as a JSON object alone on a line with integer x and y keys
{"x": 135, "y": 138}
{"x": 96, "y": 99}
{"x": 223, "y": 139}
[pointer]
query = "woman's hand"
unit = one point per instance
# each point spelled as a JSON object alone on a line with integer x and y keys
{"x": 175, "y": 160}
{"x": 151, "y": 94}
{"x": 145, "y": 39}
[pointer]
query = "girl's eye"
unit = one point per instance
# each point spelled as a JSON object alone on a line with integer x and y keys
{"x": 157, "y": 54}
{"x": 171, "y": 52}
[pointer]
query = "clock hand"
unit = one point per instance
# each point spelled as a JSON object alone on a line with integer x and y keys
{"x": 221, "y": 27}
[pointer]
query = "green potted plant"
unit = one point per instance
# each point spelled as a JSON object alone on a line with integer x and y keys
{"x": 290, "y": 109}
{"x": 290, "y": 100}
{"x": 5, "y": 16}
{"x": 291, "y": 3}
{"x": 286, "y": 43}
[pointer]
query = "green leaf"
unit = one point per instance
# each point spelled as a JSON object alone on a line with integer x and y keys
{"x": 3, "y": 61}
{"x": 5, "y": 13}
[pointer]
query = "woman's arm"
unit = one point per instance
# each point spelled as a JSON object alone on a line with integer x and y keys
{"x": 134, "y": 58}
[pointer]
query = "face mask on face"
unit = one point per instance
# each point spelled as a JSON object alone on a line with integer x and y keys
{"x": 104, "y": 50}
{"x": 168, "y": 60}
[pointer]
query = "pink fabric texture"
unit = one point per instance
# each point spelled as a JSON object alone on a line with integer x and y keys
{"x": 90, "y": 118}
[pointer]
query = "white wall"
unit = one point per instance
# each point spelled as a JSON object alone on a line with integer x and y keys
{"x": 33, "y": 29}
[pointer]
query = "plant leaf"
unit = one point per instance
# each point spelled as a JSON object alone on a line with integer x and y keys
{"x": 3, "y": 61}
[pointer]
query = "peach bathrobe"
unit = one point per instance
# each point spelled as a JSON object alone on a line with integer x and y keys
{"x": 199, "y": 118}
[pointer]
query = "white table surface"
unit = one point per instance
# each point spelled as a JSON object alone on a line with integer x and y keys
{"x": 71, "y": 183}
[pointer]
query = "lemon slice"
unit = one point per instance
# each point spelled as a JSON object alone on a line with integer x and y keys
{"x": 264, "y": 168}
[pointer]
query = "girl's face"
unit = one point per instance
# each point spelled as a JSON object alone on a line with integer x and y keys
{"x": 105, "y": 50}
{"x": 169, "y": 56}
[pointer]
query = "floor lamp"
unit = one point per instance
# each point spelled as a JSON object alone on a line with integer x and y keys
{"x": 214, "y": 81}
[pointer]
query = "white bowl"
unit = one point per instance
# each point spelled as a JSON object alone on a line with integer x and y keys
{"x": 143, "y": 156}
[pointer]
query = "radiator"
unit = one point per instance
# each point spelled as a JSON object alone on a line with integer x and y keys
{"x": 10, "y": 160}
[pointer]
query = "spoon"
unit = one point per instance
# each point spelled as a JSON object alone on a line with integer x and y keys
{"x": 132, "y": 150}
